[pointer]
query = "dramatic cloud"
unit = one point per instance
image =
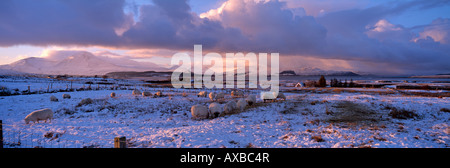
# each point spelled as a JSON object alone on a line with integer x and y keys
{"x": 70, "y": 22}
{"x": 351, "y": 33}
{"x": 438, "y": 30}
{"x": 269, "y": 27}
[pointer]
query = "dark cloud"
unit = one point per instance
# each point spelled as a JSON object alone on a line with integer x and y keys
{"x": 357, "y": 35}
{"x": 69, "y": 22}
{"x": 269, "y": 27}
{"x": 354, "y": 36}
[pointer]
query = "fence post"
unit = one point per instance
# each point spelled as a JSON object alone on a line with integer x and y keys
{"x": 1, "y": 134}
{"x": 120, "y": 142}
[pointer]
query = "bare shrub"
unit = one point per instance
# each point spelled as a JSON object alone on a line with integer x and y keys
{"x": 445, "y": 110}
{"x": 317, "y": 138}
{"x": 402, "y": 113}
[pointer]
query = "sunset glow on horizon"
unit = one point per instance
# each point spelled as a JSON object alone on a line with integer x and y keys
{"x": 401, "y": 37}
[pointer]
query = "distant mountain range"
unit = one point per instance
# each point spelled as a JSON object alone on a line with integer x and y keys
{"x": 78, "y": 63}
{"x": 308, "y": 71}
{"x": 86, "y": 63}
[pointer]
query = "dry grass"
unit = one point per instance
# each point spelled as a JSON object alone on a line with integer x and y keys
{"x": 290, "y": 108}
{"x": 445, "y": 110}
{"x": 402, "y": 113}
{"x": 317, "y": 138}
{"x": 347, "y": 111}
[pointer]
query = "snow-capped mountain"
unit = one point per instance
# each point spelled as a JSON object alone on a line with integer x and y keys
{"x": 78, "y": 63}
{"x": 318, "y": 71}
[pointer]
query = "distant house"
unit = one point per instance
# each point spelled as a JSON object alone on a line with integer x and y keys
{"x": 300, "y": 84}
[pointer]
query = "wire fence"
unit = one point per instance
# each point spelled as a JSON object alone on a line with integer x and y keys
{"x": 23, "y": 136}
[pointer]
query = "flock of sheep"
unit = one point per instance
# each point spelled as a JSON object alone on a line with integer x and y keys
{"x": 215, "y": 109}
{"x": 198, "y": 111}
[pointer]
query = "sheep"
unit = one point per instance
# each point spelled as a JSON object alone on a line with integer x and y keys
{"x": 53, "y": 98}
{"x": 280, "y": 95}
{"x": 202, "y": 94}
{"x": 136, "y": 92}
{"x": 220, "y": 95}
{"x": 113, "y": 95}
{"x": 199, "y": 111}
{"x": 215, "y": 110}
{"x": 272, "y": 96}
{"x": 241, "y": 104}
{"x": 85, "y": 102}
{"x": 212, "y": 96}
{"x": 37, "y": 115}
{"x": 266, "y": 96}
{"x": 251, "y": 99}
{"x": 237, "y": 93}
{"x": 229, "y": 107}
{"x": 146, "y": 93}
{"x": 66, "y": 96}
{"x": 159, "y": 94}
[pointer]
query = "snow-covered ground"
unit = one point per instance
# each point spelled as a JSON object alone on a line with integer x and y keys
{"x": 304, "y": 120}
{"x": 37, "y": 84}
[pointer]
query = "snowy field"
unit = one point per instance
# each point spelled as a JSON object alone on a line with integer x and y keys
{"x": 304, "y": 120}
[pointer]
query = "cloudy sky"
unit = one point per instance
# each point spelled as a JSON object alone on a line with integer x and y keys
{"x": 382, "y": 36}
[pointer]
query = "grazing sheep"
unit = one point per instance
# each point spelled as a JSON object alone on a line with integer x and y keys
{"x": 199, "y": 111}
{"x": 237, "y": 93}
{"x": 159, "y": 94}
{"x": 37, "y": 115}
{"x": 220, "y": 95}
{"x": 146, "y": 93}
{"x": 241, "y": 104}
{"x": 66, "y": 96}
{"x": 230, "y": 107}
{"x": 113, "y": 95}
{"x": 202, "y": 94}
{"x": 212, "y": 96}
{"x": 85, "y": 101}
{"x": 215, "y": 110}
{"x": 267, "y": 96}
{"x": 280, "y": 95}
{"x": 251, "y": 99}
{"x": 53, "y": 98}
{"x": 136, "y": 92}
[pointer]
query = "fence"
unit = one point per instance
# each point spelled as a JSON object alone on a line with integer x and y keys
{"x": 15, "y": 136}
{"x": 11, "y": 138}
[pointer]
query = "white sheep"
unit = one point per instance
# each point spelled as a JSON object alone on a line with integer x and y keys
{"x": 237, "y": 93}
{"x": 113, "y": 95}
{"x": 146, "y": 93}
{"x": 280, "y": 95}
{"x": 136, "y": 92}
{"x": 215, "y": 110}
{"x": 220, "y": 95}
{"x": 37, "y": 115}
{"x": 66, "y": 96}
{"x": 241, "y": 104}
{"x": 199, "y": 111}
{"x": 53, "y": 98}
{"x": 85, "y": 101}
{"x": 202, "y": 94}
{"x": 159, "y": 94}
{"x": 251, "y": 99}
{"x": 267, "y": 96}
{"x": 212, "y": 96}
{"x": 230, "y": 107}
